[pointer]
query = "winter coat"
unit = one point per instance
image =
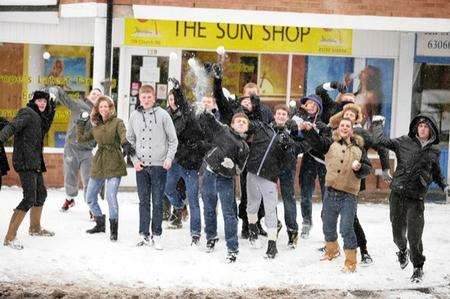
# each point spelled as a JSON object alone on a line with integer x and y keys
{"x": 76, "y": 107}
{"x": 226, "y": 144}
{"x": 29, "y": 127}
{"x": 152, "y": 133}
{"x": 191, "y": 144}
{"x": 293, "y": 149}
{"x": 268, "y": 150}
{"x": 339, "y": 158}
{"x": 108, "y": 161}
{"x": 4, "y": 165}
{"x": 417, "y": 165}
{"x": 228, "y": 107}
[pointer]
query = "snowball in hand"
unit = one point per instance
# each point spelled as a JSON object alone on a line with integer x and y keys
{"x": 292, "y": 104}
{"x": 355, "y": 164}
{"x": 220, "y": 50}
{"x": 173, "y": 56}
{"x": 46, "y": 55}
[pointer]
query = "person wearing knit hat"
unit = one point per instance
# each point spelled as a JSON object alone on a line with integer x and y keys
{"x": 418, "y": 166}
{"x": 354, "y": 113}
{"x": 29, "y": 127}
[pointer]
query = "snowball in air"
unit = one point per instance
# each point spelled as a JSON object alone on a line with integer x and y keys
{"x": 173, "y": 56}
{"x": 46, "y": 55}
{"x": 220, "y": 50}
{"x": 191, "y": 62}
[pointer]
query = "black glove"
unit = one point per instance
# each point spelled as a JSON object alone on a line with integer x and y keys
{"x": 339, "y": 86}
{"x": 175, "y": 83}
{"x": 218, "y": 72}
{"x": 128, "y": 149}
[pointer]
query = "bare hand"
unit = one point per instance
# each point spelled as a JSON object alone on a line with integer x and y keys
{"x": 138, "y": 166}
{"x": 167, "y": 164}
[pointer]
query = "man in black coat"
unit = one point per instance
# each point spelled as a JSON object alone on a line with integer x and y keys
{"x": 29, "y": 128}
{"x": 418, "y": 165}
{"x": 4, "y": 166}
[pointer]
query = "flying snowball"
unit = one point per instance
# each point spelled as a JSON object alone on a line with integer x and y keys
{"x": 46, "y": 55}
{"x": 191, "y": 62}
{"x": 220, "y": 50}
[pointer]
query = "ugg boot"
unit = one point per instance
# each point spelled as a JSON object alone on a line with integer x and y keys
{"x": 35, "y": 224}
{"x": 113, "y": 228}
{"x": 99, "y": 225}
{"x": 350, "y": 260}
{"x": 16, "y": 220}
{"x": 331, "y": 251}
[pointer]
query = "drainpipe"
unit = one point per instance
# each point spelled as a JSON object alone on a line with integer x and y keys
{"x": 108, "y": 48}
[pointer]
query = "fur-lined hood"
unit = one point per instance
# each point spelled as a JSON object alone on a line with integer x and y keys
{"x": 336, "y": 119}
{"x": 355, "y": 139}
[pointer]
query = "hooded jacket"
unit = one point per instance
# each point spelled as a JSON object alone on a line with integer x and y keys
{"x": 152, "y": 133}
{"x": 29, "y": 128}
{"x": 339, "y": 158}
{"x": 226, "y": 144}
{"x": 417, "y": 164}
{"x": 108, "y": 161}
{"x": 191, "y": 141}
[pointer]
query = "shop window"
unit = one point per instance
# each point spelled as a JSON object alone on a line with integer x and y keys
{"x": 298, "y": 76}
{"x": 272, "y": 79}
{"x": 36, "y": 66}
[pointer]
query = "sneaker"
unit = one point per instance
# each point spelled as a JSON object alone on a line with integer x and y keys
{"x": 210, "y": 244}
{"x": 195, "y": 241}
{"x": 417, "y": 275}
{"x": 253, "y": 235}
{"x": 144, "y": 241}
{"x": 157, "y": 242}
{"x": 305, "y": 231}
{"x": 403, "y": 258}
{"x": 67, "y": 204}
{"x": 231, "y": 256}
{"x": 14, "y": 244}
{"x": 293, "y": 238}
{"x": 271, "y": 249}
{"x": 366, "y": 259}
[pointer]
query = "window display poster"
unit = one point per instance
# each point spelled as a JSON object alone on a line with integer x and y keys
{"x": 161, "y": 91}
{"x": 66, "y": 71}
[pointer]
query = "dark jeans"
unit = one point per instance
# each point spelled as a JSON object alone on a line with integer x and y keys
{"x": 243, "y": 200}
{"x": 407, "y": 221}
{"x": 288, "y": 194}
{"x": 360, "y": 235}
{"x": 150, "y": 183}
{"x": 190, "y": 178}
{"x": 338, "y": 203}
{"x": 216, "y": 187}
{"x": 309, "y": 170}
{"x": 34, "y": 191}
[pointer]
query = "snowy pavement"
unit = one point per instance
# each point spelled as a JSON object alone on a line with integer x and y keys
{"x": 73, "y": 256}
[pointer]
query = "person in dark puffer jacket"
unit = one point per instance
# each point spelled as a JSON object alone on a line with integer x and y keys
{"x": 418, "y": 165}
{"x": 188, "y": 159}
{"x": 4, "y": 165}
{"x": 29, "y": 128}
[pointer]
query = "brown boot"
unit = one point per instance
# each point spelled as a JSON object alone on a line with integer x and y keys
{"x": 35, "y": 224}
{"x": 350, "y": 260}
{"x": 16, "y": 220}
{"x": 331, "y": 251}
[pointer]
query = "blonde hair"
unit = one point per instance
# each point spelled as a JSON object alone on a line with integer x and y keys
{"x": 251, "y": 85}
{"x": 146, "y": 89}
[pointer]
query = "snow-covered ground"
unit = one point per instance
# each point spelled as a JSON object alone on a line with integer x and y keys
{"x": 73, "y": 256}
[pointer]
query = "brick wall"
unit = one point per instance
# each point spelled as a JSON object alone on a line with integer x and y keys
{"x": 399, "y": 8}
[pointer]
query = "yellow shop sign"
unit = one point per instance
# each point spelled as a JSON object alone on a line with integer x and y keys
{"x": 238, "y": 37}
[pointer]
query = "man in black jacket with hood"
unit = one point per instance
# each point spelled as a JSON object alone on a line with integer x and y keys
{"x": 29, "y": 128}
{"x": 418, "y": 165}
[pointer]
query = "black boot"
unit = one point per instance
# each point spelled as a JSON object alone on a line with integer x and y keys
{"x": 210, "y": 244}
{"x": 113, "y": 228}
{"x": 271, "y": 249}
{"x": 99, "y": 225}
{"x": 417, "y": 275}
{"x": 261, "y": 231}
{"x": 366, "y": 259}
{"x": 244, "y": 230}
{"x": 403, "y": 258}
{"x": 293, "y": 238}
{"x": 253, "y": 235}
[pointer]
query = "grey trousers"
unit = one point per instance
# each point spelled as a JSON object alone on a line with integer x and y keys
{"x": 74, "y": 161}
{"x": 257, "y": 188}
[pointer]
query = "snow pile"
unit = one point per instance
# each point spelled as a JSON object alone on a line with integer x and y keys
{"x": 73, "y": 256}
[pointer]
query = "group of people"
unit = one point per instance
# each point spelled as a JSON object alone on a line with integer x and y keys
{"x": 208, "y": 146}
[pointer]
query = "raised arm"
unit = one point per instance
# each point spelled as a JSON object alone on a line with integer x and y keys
{"x": 378, "y": 137}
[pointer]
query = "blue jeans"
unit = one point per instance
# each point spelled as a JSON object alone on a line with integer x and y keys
{"x": 190, "y": 178}
{"x": 111, "y": 189}
{"x": 150, "y": 183}
{"x": 309, "y": 170}
{"x": 288, "y": 194}
{"x": 341, "y": 203}
{"x": 216, "y": 187}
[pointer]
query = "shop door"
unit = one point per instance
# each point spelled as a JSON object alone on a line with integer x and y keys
{"x": 140, "y": 66}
